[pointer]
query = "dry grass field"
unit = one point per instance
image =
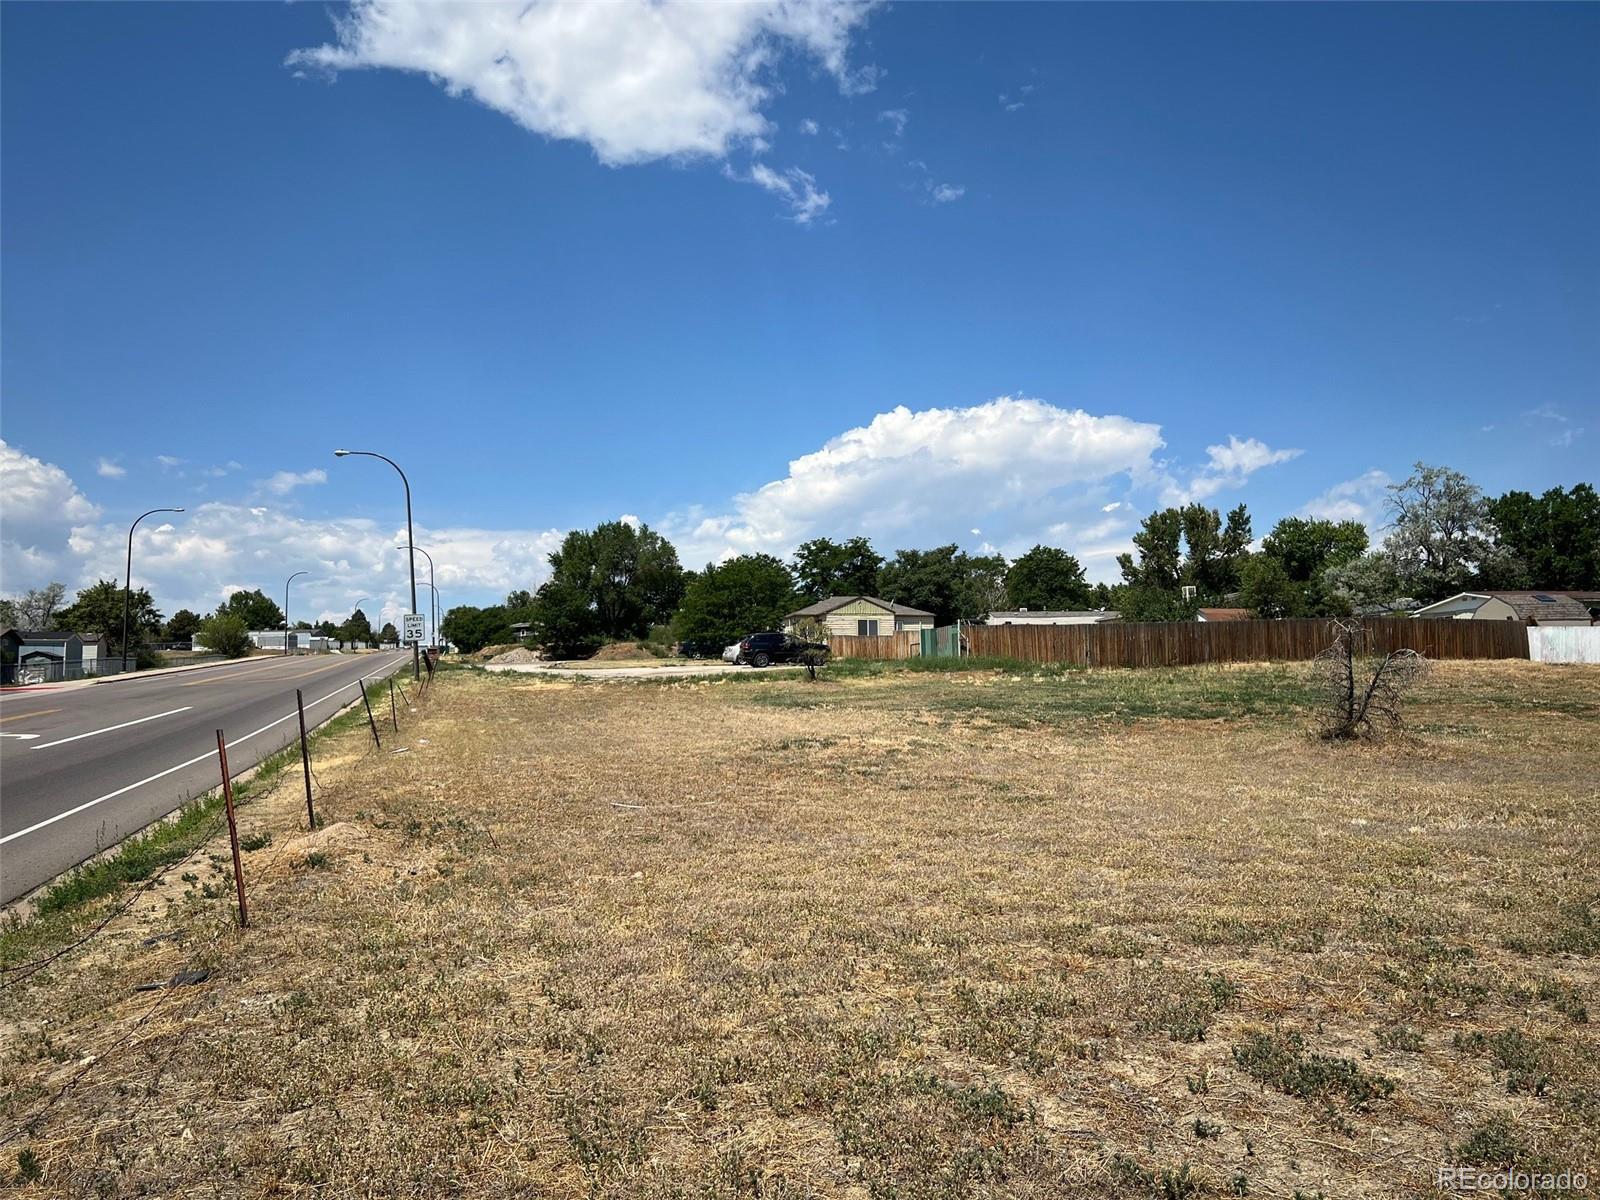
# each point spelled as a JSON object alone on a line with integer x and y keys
{"x": 893, "y": 934}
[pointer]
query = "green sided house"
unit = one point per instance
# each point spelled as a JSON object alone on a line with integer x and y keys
{"x": 861, "y": 616}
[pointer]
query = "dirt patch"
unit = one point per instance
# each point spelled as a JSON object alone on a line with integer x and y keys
{"x": 623, "y": 652}
{"x": 520, "y": 654}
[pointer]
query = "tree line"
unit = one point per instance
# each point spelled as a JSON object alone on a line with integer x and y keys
{"x": 623, "y": 581}
{"x": 97, "y": 609}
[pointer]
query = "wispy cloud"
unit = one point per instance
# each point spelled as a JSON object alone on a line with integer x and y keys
{"x": 107, "y": 469}
{"x": 1563, "y": 434}
{"x": 897, "y": 117}
{"x": 795, "y": 187}
{"x": 944, "y": 193}
{"x": 1359, "y": 499}
{"x": 809, "y": 127}
{"x": 1228, "y": 465}
{"x": 284, "y": 482}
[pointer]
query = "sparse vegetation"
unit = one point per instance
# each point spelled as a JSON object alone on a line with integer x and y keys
{"x": 910, "y": 933}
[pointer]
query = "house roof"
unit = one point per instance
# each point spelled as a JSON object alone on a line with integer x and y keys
{"x": 1529, "y": 606}
{"x": 46, "y": 635}
{"x": 1226, "y": 614}
{"x": 823, "y": 607}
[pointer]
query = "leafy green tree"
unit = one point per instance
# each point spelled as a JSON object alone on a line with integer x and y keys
{"x": 564, "y": 621}
{"x": 256, "y": 609}
{"x": 1142, "y": 602}
{"x": 823, "y": 568}
{"x": 1555, "y": 536}
{"x": 1366, "y": 585}
{"x": 519, "y": 600}
{"x": 1265, "y": 587}
{"x": 226, "y": 633}
{"x": 1048, "y": 578}
{"x": 98, "y": 609}
{"x": 357, "y": 629}
{"x": 1214, "y": 552}
{"x": 182, "y": 626}
{"x": 1158, "y": 545}
{"x": 1308, "y": 546}
{"x": 8, "y": 613}
{"x": 945, "y": 581}
{"x": 388, "y": 633}
{"x": 628, "y": 577}
{"x": 1440, "y": 535}
{"x": 729, "y": 600}
{"x": 470, "y": 629}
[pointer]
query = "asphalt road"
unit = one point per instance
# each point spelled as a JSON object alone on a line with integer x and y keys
{"x": 82, "y": 767}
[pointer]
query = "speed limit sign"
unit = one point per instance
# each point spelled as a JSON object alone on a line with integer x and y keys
{"x": 411, "y": 627}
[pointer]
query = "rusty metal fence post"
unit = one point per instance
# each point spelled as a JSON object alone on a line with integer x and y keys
{"x": 305, "y": 759}
{"x": 373, "y": 724}
{"x": 233, "y": 829}
{"x": 394, "y": 716}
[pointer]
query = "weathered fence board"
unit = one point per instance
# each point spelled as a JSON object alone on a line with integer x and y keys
{"x": 892, "y": 645}
{"x": 1178, "y": 643}
{"x": 1565, "y": 644}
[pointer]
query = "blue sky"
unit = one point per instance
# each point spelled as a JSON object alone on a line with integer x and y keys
{"x": 688, "y": 263}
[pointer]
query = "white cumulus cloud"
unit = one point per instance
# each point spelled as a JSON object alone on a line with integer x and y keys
{"x": 41, "y": 510}
{"x": 922, "y": 477}
{"x": 107, "y": 469}
{"x": 635, "y": 80}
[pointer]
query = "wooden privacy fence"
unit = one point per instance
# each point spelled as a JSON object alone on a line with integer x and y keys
{"x": 893, "y": 645}
{"x": 1176, "y": 643}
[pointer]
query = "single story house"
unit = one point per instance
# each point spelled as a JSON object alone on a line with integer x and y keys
{"x": 521, "y": 630}
{"x": 59, "y": 654}
{"x": 1531, "y": 608}
{"x": 1224, "y": 614}
{"x": 1054, "y": 616}
{"x": 861, "y": 616}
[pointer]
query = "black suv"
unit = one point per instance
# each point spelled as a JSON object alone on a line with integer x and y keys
{"x": 764, "y": 649}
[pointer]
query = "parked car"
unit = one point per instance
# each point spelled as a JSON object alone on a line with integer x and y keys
{"x": 764, "y": 649}
{"x": 699, "y": 648}
{"x": 731, "y": 654}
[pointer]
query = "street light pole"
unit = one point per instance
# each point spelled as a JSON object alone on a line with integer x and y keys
{"x": 416, "y": 649}
{"x": 286, "y": 584}
{"x": 429, "y": 557}
{"x": 437, "y": 608}
{"x": 127, "y": 587}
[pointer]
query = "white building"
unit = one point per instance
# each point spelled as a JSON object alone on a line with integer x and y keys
{"x": 1046, "y": 616}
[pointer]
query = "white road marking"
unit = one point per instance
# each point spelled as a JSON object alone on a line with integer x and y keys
{"x": 24, "y": 737}
{"x": 113, "y": 728}
{"x": 11, "y": 837}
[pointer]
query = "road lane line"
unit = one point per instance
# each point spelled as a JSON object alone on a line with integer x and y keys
{"x": 72, "y": 812}
{"x": 43, "y": 712}
{"x": 229, "y": 678}
{"x": 78, "y": 737}
{"x": 26, "y": 737}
